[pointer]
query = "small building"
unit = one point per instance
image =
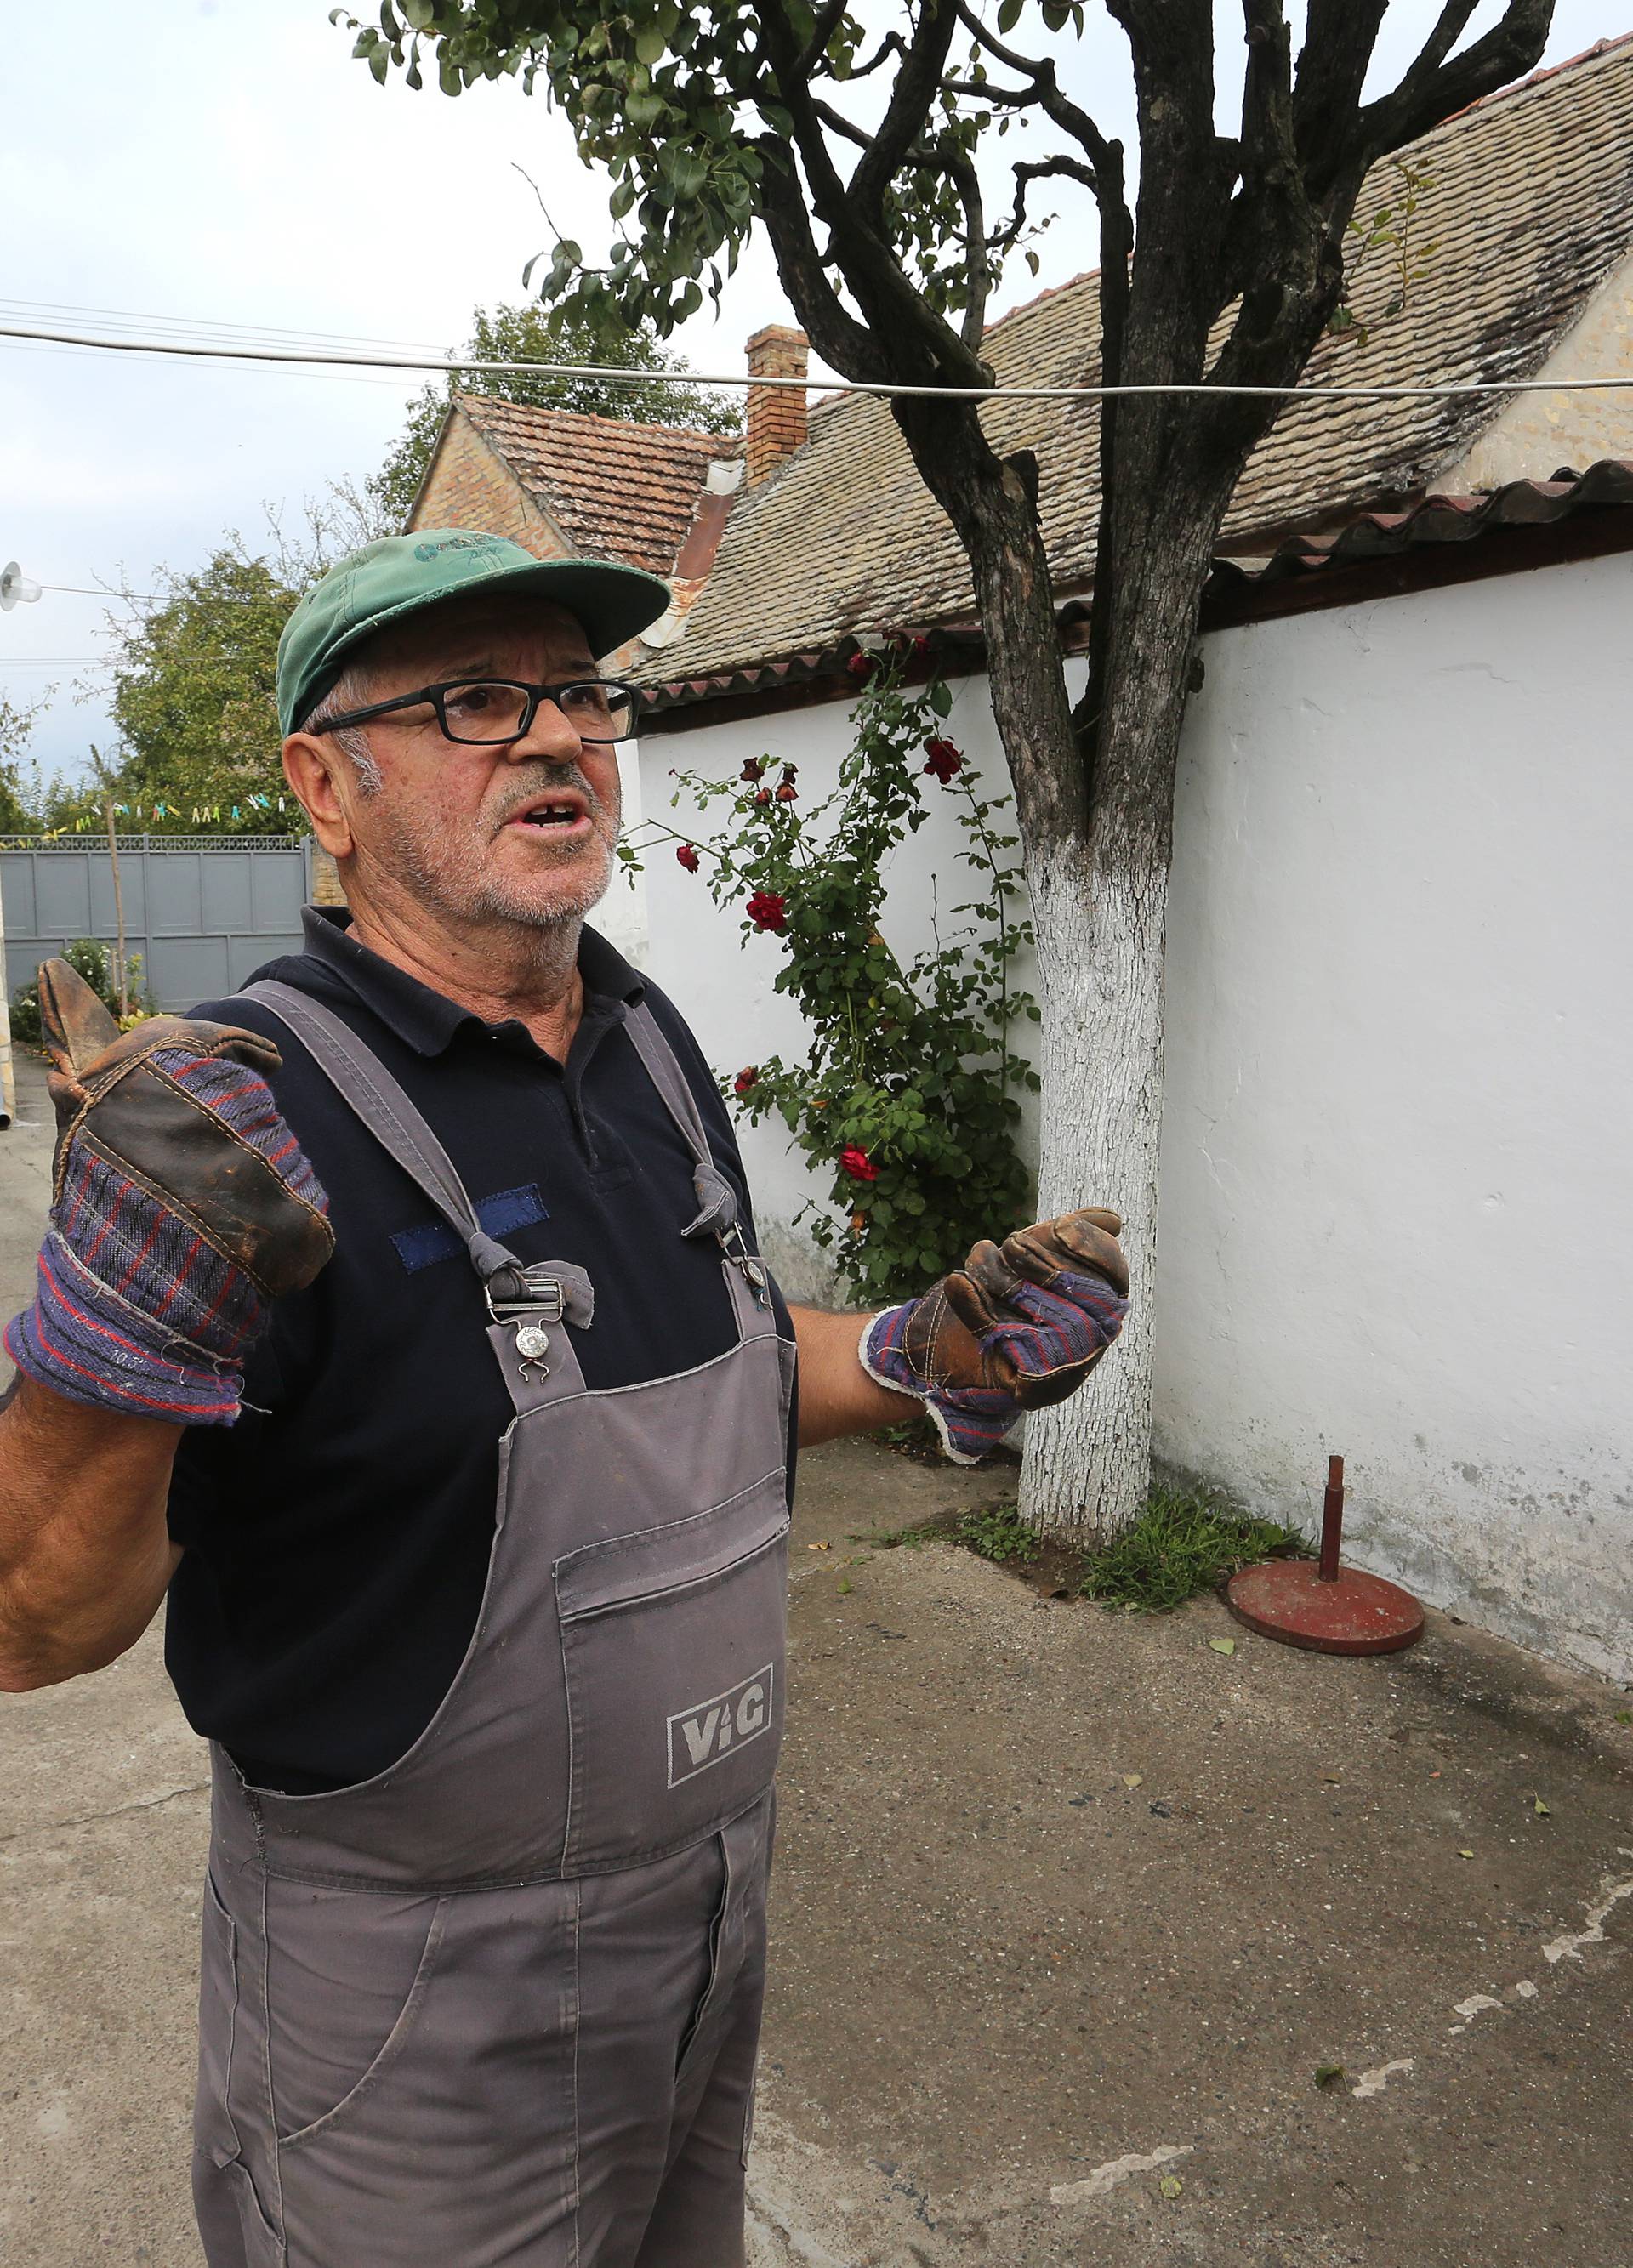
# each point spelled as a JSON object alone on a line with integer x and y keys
{"x": 1395, "y": 1208}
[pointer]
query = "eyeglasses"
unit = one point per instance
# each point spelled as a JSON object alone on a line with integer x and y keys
{"x": 490, "y": 713}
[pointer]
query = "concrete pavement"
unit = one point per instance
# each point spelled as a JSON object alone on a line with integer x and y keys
{"x": 1070, "y": 1911}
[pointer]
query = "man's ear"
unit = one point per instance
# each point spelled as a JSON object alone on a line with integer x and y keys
{"x": 307, "y": 767}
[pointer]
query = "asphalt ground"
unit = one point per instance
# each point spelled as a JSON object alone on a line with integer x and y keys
{"x": 1092, "y": 1943}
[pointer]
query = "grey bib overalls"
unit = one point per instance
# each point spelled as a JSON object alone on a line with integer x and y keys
{"x": 498, "y": 2007}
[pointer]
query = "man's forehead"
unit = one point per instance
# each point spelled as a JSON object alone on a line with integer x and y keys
{"x": 479, "y": 631}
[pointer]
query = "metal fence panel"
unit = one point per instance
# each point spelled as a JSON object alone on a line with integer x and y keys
{"x": 202, "y": 912}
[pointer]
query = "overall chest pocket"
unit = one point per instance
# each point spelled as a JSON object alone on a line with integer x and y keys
{"x": 673, "y": 1648}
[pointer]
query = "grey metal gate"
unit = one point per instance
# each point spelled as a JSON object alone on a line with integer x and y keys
{"x": 203, "y": 911}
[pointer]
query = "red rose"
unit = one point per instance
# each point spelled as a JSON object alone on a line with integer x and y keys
{"x": 768, "y": 909}
{"x": 921, "y": 645}
{"x": 762, "y": 795}
{"x": 943, "y": 759}
{"x": 860, "y": 664}
{"x": 688, "y": 857}
{"x": 788, "y": 792}
{"x": 752, "y": 769}
{"x": 790, "y": 772}
{"x": 858, "y": 1164}
{"x": 746, "y": 1078}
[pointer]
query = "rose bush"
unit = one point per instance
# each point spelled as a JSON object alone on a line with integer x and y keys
{"x": 907, "y": 1101}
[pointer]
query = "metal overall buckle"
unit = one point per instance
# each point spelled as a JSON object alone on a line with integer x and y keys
{"x": 752, "y": 1271}
{"x": 542, "y": 1302}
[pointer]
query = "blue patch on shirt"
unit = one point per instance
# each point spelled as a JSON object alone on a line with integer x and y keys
{"x": 510, "y": 1209}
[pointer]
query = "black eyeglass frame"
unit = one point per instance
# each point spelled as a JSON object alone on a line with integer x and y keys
{"x": 437, "y": 695}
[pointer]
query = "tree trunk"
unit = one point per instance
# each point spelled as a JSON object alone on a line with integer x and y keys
{"x": 1100, "y": 965}
{"x": 1100, "y": 911}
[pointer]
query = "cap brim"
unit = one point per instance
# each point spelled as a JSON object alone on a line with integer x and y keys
{"x": 613, "y": 604}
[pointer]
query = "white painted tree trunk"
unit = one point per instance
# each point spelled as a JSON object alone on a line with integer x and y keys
{"x": 1087, "y": 1462}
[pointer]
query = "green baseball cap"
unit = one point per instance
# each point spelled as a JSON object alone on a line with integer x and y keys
{"x": 404, "y": 574}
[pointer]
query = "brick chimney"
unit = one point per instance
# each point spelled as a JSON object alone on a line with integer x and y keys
{"x": 776, "y": 414}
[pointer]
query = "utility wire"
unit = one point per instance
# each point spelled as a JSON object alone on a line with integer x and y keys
{"x": 302, "y": 359}
{"x": 123, "y": 318}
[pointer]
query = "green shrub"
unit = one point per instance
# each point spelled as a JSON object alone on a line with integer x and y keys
{"x": 94, "y": 962}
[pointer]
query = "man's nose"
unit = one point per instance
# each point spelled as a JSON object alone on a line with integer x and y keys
{"x": 549, "y": 739}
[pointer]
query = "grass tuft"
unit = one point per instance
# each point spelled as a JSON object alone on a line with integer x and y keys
{"x": 1183, "y": 1542}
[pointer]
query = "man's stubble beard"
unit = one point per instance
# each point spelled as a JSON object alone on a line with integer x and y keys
{"x": 441, "y": 875}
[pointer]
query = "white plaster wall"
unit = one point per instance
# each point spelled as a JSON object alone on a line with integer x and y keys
{"x": 723, "y": 981}
{"x": 1396, "y": 1219}
{"x": 1395, "y": 1216}
{"x": 1536, "y": 434}
{"x": 621, "y": 916}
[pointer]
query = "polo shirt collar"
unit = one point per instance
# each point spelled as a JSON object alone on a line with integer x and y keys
{"x": 427, "y": 1021}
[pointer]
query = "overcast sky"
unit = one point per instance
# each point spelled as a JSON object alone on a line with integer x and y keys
{"x": 224, "y": 161}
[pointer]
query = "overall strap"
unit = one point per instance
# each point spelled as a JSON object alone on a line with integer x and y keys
{"x": 519, "y": 1297}
{"x": 745, "y": 1275}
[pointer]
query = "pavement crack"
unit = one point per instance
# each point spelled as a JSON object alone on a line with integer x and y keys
{"x": 119, "y": 1811}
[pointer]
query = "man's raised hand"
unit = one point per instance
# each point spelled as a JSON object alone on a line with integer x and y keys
{"x": 182, "y": 1205}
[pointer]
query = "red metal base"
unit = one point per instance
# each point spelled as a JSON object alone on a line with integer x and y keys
{"x": 1286, "y": 1599}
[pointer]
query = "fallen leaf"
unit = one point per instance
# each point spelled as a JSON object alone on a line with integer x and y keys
{"x": 1134, "y": 1780}
{"x": 1542, "y": 1809}
{"x": 1464, "y": 1854}
{"x": 1223, "y": 1645}
{"x": 1334, "y": 1778}
{"x": 846, "y": 1584}
{"x": 1329, "y": 2074}
{"x": 1624, "y": 1717}
{"x": 819, "y": 1547}
{"x": 1170, "y": 2185}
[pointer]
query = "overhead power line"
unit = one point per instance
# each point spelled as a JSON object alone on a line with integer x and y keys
{"x": 303, "y": 359}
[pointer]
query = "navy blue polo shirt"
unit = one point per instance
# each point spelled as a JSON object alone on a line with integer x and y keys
{"x": 337, "y": 1536}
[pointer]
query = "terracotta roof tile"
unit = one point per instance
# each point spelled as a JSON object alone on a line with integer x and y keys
{"x": 1530, "y": 208}
{"x": 616, "y": 490}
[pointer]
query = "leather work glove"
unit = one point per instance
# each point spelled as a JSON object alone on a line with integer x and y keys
{"x": 1019, "y": 1326}
{"x": 182, "y": 1205}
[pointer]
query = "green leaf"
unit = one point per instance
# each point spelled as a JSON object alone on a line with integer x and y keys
{"x": 1223, "y": 1645}
{"x": 1329, "y": 2074}
{"x": 1170, "y": 2185}
{"x": 941, "y": 698}
{"x": 420, "y": 13}
{"x": 650, "y": 42}
{"x": 1009, "y": 15}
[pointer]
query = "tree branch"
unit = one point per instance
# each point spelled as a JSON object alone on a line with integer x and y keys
{"x": 828, "y": 22}
{"x": 907, "y": 113}
{"x": 977, "y": 280}
{"x": 837, "y": 337}
{"x": 840, "y": 124}
{"x": 920, "y": 344}
{"x": 1340, "y": 36}
{"x": 1433, "y": 88}
{"x": 892, "y": 44}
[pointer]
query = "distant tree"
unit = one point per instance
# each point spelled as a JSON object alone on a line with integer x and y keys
{"x": 193, "y": 689}
{"x": 531, "y": 334}
{"x": 22, "y": 792}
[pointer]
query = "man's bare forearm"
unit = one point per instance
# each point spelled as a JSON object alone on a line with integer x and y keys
{"x": 835, "y": 1394}
{"x": 85, "y": 1553}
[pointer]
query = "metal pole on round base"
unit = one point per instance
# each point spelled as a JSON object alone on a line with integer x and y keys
{"x": 1319, "y": 1605}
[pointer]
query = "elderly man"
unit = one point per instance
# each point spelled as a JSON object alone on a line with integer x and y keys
{"x": 446, "y": 1396}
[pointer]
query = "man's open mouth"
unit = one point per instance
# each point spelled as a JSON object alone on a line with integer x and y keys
{"x": 552, "y": 814}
